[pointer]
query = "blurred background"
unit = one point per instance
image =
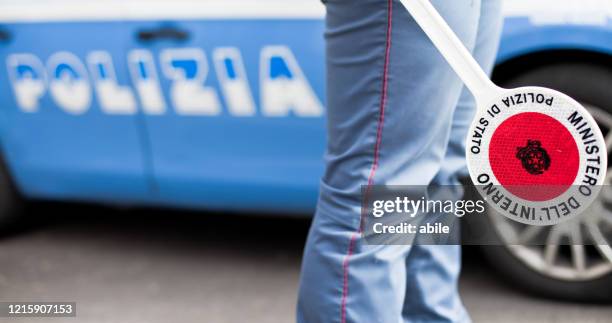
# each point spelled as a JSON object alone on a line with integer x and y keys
{"x": 160, "y": 159}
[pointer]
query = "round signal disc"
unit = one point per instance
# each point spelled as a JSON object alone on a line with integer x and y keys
{"x": 536, "y": 156}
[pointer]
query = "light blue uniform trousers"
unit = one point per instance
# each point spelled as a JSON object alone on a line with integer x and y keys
{"x": 397, "y": 115}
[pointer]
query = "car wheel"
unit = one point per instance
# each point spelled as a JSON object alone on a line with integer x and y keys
{"x": 582, "y": 270}
{"x": 11, "y": 204}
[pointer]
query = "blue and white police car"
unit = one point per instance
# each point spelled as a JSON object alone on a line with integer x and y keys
{"x": 218, "y": 104}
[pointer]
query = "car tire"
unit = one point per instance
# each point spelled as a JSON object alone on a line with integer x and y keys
{"x": 588, "y": 84}
{"x": 11, "y": 203}
{"x": 518, "y": 274}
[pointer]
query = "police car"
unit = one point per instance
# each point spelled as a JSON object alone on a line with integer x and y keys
{"x": 218, "y": 104}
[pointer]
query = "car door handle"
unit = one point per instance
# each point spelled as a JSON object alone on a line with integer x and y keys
{"x": 5, "y": 36}
{"x": 162, "y": 33}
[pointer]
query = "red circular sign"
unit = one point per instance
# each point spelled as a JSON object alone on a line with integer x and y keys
{"x": 534, "y": 156}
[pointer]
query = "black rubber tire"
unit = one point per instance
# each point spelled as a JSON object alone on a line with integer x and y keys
{"x": 590, "y": 84}
{"x": 11, "y": 203}
{"x": 518, "y": 275}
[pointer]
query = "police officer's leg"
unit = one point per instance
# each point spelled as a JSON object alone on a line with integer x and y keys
{"x": 485, "y": 52}
{"x": 390, "y": 101}
{"x": 341, "y": 281}
{"x": 437, "y": 282}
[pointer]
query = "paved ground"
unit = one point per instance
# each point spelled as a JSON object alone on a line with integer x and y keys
{"x": 167, "y": 266}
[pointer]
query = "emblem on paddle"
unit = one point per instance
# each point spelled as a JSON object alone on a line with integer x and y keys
{"x": 535, "y": 154}
{"x": 534, "y": 158}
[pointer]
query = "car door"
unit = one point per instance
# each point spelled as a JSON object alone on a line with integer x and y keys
{"x": 237, "y": 119}
{"x": 70, "y": 123}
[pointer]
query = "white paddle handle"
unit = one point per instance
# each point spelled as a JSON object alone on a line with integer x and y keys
{"x": 453, "y": 50}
